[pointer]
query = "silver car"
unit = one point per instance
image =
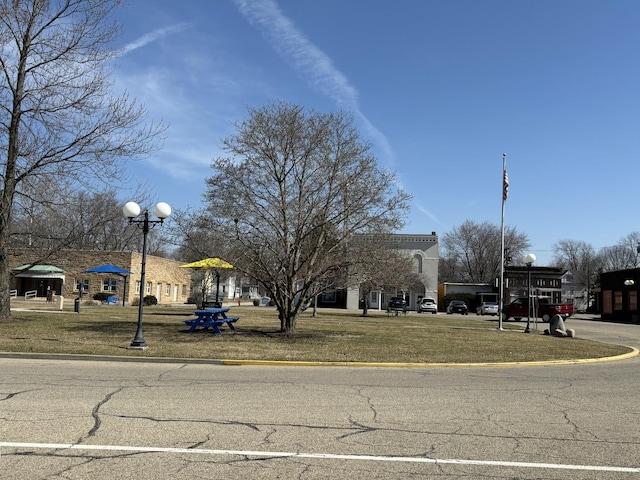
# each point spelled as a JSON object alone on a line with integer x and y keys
{"x": 487, "y": 308}
{"x": 428, "y": 305}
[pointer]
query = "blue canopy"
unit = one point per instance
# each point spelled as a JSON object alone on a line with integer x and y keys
{"x": 108, "y": 268}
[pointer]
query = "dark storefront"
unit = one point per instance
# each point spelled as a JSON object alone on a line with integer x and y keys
{"x": 620, "y": 295}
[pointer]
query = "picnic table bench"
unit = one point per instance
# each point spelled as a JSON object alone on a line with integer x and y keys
{"x": 396, "y": 310}
{"x": 211, "y": 317}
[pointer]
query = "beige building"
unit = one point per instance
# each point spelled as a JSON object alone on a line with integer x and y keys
{"x": 423, "y": 249}
{"x": 63, "y": 274}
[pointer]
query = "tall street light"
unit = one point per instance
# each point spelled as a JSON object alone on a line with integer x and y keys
{"x": 528, "y": 261}
{"x": 131, "y": 210}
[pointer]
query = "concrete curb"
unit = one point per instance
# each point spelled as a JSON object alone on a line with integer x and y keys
{"x": 274, "y": 363}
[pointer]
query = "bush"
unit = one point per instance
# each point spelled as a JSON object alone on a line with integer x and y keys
{"x": 256, "y": 302}
{"x": 149, "y": 300}
{"x": 101, "y": 296}
{"x": 195, "y": 299}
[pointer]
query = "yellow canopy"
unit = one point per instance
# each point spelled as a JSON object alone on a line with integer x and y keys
{"x": 208, "y": 263}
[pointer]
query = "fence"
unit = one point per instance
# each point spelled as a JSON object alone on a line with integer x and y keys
{"x": 30, "y": 294}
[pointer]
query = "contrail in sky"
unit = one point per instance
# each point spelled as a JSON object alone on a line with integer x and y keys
{"x": 153, "y": 36}
{"x": 317, "y": 67}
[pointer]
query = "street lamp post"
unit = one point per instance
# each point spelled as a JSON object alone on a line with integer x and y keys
{"x": 528, "y": 261}
{"x": 131, "y": 210}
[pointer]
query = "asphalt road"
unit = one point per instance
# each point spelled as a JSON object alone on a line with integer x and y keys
{"x": 112, "y": 420}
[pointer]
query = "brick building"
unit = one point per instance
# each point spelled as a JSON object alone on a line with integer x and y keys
{"x": 63, "y": 273}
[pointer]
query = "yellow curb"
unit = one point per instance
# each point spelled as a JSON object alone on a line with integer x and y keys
{"x": 287, "y": 363}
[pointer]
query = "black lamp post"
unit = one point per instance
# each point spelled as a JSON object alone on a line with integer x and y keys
{"x": 131, "y": 210}
{"x": 528, "y": 261}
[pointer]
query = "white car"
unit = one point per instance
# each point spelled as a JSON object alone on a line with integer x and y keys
{"x": 487, "y": 308}
{"x": 428, "y": 305}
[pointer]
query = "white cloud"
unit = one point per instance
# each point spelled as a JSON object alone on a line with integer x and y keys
{"x": 308, "y": 59}
{"x": 152, "y": 37}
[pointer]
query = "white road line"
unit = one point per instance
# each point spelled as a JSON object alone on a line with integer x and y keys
{"x": 328, "y": 456}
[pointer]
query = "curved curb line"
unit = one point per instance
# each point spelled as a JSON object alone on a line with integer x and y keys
{"x": 287, "y": 363}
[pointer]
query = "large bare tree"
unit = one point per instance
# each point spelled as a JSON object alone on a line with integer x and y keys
{"x": 472, "y": 251}
{"x": 580, "y": 258}
{"x": 294, "y": 188}
{"x": 60, "y": 126}
{"x": 577, "y": 256}
{"x": 625, "y": 254}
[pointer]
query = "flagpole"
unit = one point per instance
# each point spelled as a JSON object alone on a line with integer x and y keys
{"x": 505, "y": 190}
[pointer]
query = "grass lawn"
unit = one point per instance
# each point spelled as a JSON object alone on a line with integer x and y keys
{"x": 332, "y": 336}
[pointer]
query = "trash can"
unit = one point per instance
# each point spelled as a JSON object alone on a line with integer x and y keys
{"x": 76, "y": 305}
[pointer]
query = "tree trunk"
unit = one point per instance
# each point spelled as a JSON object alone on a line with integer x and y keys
{"x": 5, "y": 298}
{"x": 5, "y": 214}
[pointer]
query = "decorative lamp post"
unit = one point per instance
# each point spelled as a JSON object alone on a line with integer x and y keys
{"x": 131, "y": 210}
{"x": 528, "y": 261}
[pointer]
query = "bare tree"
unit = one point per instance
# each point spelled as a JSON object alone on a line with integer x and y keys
{"x": 625, "y": 254}
{"x": 87, "y": 221}
{"x": 579, "y": 258}
{"x": 617, "y": 257}
{"x": 293, "y": 191}
{"x": 59, "y": 124}
{"x": 472, "y": 250}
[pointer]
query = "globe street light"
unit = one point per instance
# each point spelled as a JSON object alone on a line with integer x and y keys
{"x": 131, "y": 210}
{"x": 528, "y": 261}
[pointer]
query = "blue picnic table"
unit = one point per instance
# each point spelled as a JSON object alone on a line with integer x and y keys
{"x": 211, "y": 317}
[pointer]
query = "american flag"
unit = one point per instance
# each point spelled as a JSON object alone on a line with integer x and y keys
{"x": 505, "y": 185}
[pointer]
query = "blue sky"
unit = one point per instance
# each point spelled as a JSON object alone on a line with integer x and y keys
{"x": 440, "y": 88}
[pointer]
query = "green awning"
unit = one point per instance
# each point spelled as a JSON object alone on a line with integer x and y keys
{"x": 38, "y": 271}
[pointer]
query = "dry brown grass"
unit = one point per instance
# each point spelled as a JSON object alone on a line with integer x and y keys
{"x": 332, "y": 336}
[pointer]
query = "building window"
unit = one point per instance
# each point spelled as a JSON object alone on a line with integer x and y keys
{"x": 418, "y": 263}
{"x": 184, "y": 290}
{"x": 633, "y": 300}
{"x": 81, "y": 281}
{"x": 606, "y": 302}
{"x": 137, "y": 287}
{"x": 147, "y": 289}
{"x": 167, "y": 289}
{"x": 329, "y": 297}
{"x": 617, "y": 305}
{"x": 109, "y": 285}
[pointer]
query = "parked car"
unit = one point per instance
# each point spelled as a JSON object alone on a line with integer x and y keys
{"x": 458, "y": 306}
{"x": 428, "y": 305}
{"x": 487, "y": 308}
{"x": 396, "y": 303}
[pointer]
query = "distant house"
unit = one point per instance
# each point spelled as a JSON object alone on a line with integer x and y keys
{"x": 575, "y": 291}
{"x": 64, "y": 274}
